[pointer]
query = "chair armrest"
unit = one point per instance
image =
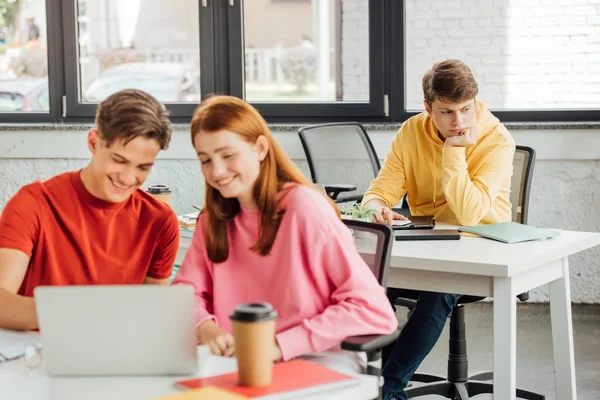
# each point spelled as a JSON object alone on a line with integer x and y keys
{"x": 369, "y": 343}
{"x": 334, "y": 190}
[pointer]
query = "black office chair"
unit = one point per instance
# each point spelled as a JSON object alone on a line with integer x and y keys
{"x": 374, "y": 243}
{"x": 458, "y": 385}
{"x": 343, "y": 181}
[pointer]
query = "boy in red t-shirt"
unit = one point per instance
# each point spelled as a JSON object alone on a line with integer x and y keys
{"x": 94, "y": 226}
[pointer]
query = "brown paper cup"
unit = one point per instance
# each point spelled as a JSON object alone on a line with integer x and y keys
{"x": 164, "y": 197}
{"x": 254, "y": 333}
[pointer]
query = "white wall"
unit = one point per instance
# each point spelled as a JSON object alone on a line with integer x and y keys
{"x": 355, "y": 50}
{"x": 564, "y": 194}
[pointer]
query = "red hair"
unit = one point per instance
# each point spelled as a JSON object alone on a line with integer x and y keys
{"x": 219, "y": 113}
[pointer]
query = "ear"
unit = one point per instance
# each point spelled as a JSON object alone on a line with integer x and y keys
{"x": 427, "y": 108}
{"x": 93, "y": 140}
{"x": 262, "y": 145}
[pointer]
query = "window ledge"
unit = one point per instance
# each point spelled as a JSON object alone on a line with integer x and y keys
{"x": 519, "y": 126}
{"x": 524, "y": 126}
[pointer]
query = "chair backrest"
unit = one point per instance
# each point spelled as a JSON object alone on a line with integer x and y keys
{"x": 374, "y": 243}
{"x": 320, "y": 188}
{"x": 520, "y": 185}
{"x": 340, "y": 153}
{"x": 523, "y": 163}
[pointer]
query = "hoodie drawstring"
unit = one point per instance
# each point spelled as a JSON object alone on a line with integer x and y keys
{"x": 433, "y": 170}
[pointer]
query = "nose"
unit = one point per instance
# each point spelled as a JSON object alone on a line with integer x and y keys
{"x": 128, "y": 177}
{"x": 458, "y": 120}
{"x": 218, "y": 169}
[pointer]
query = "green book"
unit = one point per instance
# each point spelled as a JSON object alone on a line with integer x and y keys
{"x": 510, "y": 232}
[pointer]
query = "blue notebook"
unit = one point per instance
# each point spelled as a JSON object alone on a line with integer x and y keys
{"x": 510, "y": 232}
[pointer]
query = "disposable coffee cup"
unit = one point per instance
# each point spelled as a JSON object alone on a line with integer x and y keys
{"x": 160, "y": 192}
{"x": 254, "y": 333}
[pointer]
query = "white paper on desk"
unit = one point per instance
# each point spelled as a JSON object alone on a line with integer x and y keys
{"x": 13, "y": 343}
{"x": 400, "y": 222}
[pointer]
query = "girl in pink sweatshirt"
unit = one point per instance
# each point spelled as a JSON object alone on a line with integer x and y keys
{"x": 266, "y": 235}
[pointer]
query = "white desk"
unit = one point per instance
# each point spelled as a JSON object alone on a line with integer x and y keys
{"x": 483, "y": 267}
{"x": 17, "y": 382}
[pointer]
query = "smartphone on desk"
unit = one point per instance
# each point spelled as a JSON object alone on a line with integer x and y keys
{"x": 414, "y": 222}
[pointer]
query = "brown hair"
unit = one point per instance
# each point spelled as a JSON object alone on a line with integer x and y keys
{"x": 229, "y": 113}
{"x": 130, "y": 113}
{"x": 450, "y": 80}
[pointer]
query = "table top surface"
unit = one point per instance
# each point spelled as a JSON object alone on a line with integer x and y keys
{"x": 481, "y": 256}
{"x": 20, "y": 382}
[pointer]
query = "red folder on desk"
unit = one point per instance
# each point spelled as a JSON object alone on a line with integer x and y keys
{"x": 295, "y": 378}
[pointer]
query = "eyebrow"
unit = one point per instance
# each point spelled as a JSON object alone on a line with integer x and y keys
{"x": 202, "y": 153}
{"x": 121, "y": 158}
{"x": 447, "y": 109}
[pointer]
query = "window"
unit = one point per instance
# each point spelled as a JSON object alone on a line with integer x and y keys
{"x": 140, "y": 44}
{"x": 317, "y": 52}
{"x": 318, "y": 56}
{"x": 525, "y": 56}
{"x": 147, "y": 45}
{"x": 23, "y": 58}
{"x": 321, "y": 60}
{"x": 296, "y": 60}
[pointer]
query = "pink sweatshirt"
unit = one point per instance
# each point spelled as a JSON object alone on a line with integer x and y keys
{"x": 320, "y": 286}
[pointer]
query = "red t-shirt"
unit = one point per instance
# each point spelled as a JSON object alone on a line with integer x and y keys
{"x": 74, "y": 238}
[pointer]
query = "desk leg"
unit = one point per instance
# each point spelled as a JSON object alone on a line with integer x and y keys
{"x": 562, "y": 335}
{"x": 505, "y": 339}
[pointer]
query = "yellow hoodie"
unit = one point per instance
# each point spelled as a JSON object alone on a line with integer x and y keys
{"x": 457, "y": 185}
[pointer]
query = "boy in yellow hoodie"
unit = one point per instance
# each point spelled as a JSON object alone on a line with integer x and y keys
{"x": 454, "y": 162}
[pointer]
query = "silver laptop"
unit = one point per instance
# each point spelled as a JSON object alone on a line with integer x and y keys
{"x": 117, "y": 330}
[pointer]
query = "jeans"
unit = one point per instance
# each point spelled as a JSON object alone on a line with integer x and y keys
{"x": 416, "y": 340}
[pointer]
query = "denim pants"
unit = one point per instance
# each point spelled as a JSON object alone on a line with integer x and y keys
{"x": 416, "y": 340}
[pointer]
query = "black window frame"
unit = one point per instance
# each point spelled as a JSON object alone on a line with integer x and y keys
{"x": 222, "y": 71}
{"x": 55, "y": 73}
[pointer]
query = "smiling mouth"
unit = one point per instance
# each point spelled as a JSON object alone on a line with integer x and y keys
{"x": 226, "y": 181}
{"x": 119, "y": 187}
